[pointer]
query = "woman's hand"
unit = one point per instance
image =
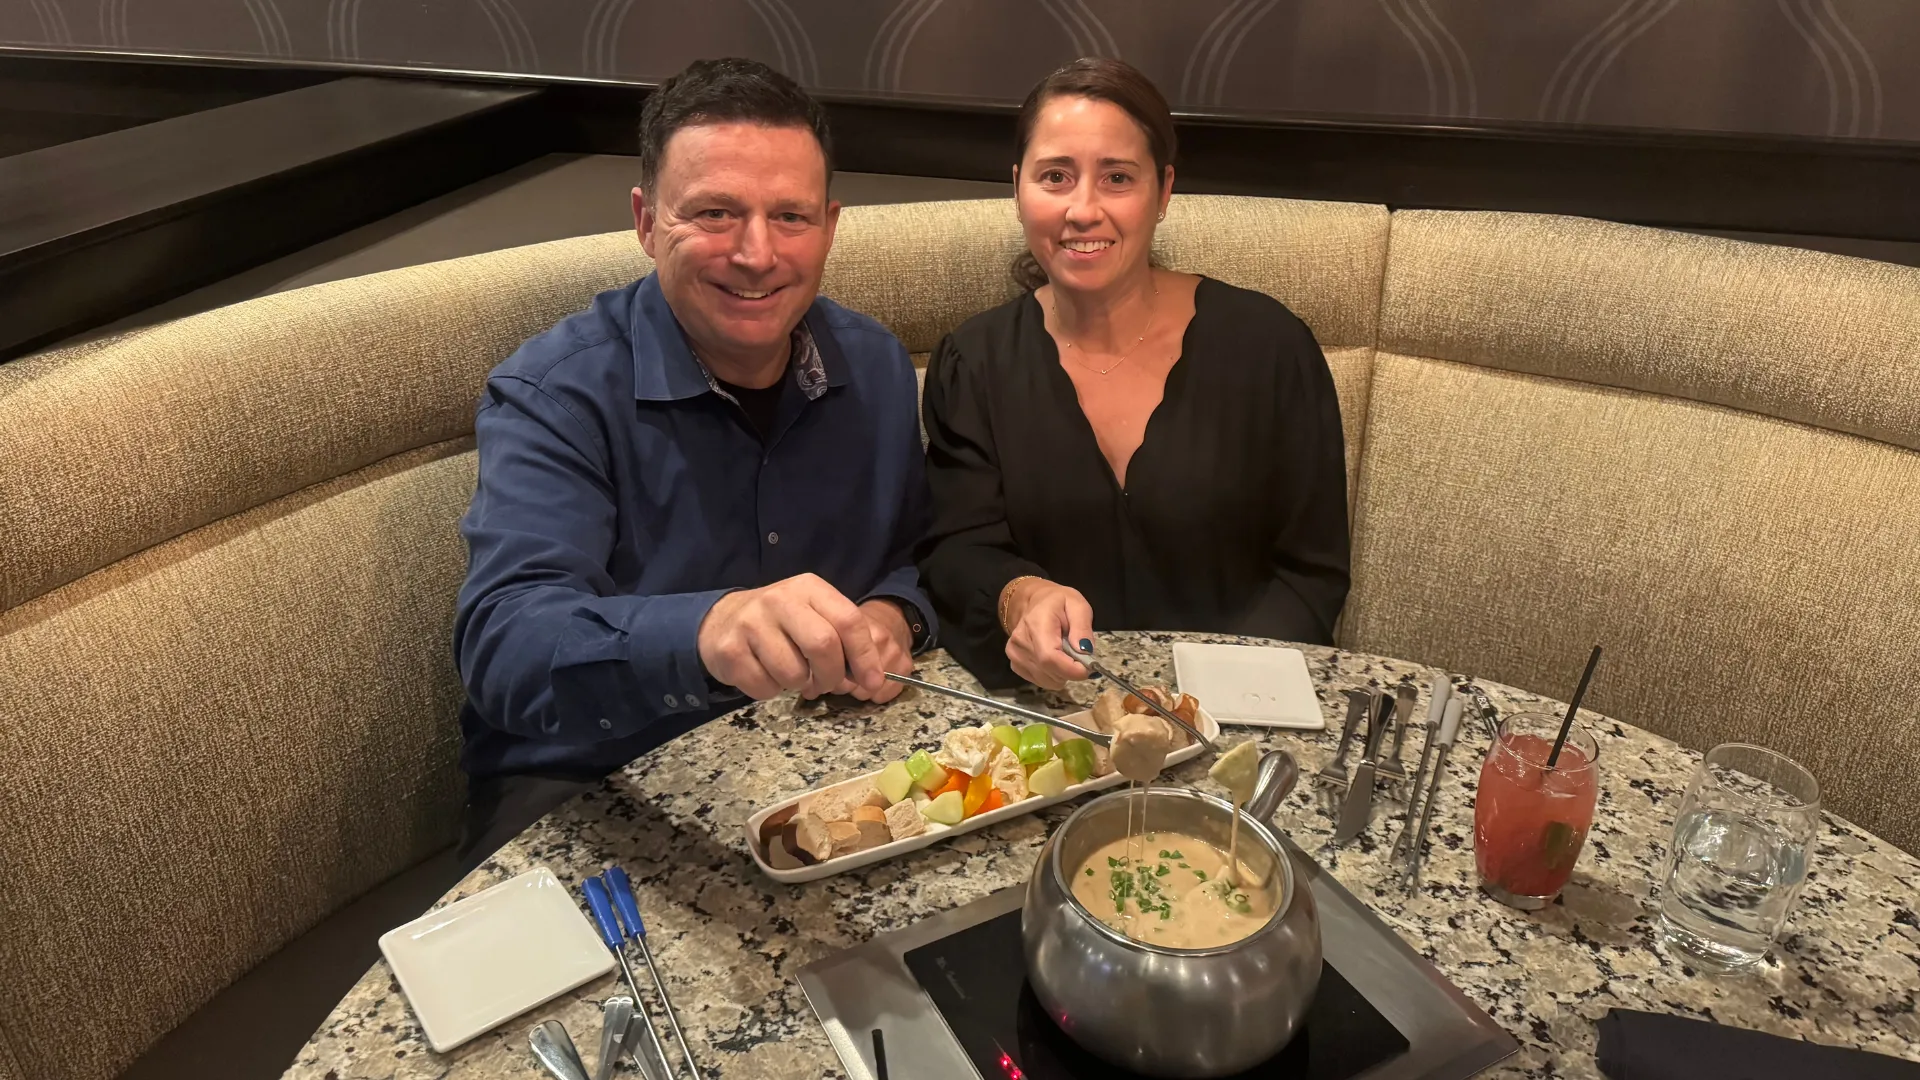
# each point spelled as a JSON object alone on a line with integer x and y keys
{"x": 1042, "y": 612}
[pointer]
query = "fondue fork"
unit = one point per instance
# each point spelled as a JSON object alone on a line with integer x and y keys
{"x": 1098, "y": 738}
{"x": 1086, "y": 659}
{"x": 1449, "y": 729}
{"x": 1439, "y": 693}
{"x": 1334, "y": 773}
{"x": 650, "y": 1056}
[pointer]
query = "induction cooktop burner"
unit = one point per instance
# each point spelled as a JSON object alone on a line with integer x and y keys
{"x": 977, "y": 979}
{"x": 1381, "y": 1012}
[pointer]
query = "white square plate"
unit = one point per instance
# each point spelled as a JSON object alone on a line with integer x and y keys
{"x": 1249, "y": 684}
{"x": 477, "y": 963}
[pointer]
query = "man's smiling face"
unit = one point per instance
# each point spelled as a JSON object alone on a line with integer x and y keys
{"x": 739, "y": 227}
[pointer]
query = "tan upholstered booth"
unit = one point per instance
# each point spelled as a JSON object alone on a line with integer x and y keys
{"x": 230, "y": 546}
{"x": 228, "y": 554}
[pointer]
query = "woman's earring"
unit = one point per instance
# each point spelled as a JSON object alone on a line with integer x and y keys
{"x": 1162, "y": 217}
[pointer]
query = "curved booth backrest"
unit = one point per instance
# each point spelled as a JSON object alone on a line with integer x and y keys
{"x": 229, "y": 546}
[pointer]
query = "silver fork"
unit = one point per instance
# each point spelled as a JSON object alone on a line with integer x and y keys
{"x": 1334, "y": 773}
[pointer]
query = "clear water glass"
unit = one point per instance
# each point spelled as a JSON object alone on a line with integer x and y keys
{"x": 1741, "y": 844}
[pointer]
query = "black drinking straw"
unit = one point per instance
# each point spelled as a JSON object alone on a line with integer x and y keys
{"x": 1593, "y": 661}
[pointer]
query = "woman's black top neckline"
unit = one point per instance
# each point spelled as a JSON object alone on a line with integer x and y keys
{"x": 1233, "y": 518}
{"x": 1076, "y": 415}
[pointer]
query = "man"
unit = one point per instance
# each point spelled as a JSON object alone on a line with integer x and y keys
{"x": 704, "y": 488}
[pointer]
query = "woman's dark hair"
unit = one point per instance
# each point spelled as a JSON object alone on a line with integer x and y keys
{"x": 1101, "y": 79}
{"x": 729, "y": 90}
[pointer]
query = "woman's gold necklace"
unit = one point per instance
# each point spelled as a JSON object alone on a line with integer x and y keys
{"x": 1078, "y": 352}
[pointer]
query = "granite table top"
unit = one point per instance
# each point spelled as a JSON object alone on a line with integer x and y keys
{"x": 730, "y": 940}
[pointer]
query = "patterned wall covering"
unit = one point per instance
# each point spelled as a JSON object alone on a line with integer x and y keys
{"x": 1847, "y": 68}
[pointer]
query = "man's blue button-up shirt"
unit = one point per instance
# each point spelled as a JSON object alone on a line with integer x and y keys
{"x": 621, "y": 494}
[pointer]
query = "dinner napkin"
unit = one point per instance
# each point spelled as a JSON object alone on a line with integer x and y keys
{"x": 1652, "y": 1046}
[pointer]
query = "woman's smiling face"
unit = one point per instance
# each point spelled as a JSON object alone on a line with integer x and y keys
{"x": 1088, "y": 193}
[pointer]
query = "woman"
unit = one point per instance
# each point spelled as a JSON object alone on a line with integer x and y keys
{"x": 1124, "y": 446}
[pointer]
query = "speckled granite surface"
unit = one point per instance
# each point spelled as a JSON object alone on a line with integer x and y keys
{"x": 730, "y": 940}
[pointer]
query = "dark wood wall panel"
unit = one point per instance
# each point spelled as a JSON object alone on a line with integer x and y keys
{"x": 1792, "y": 67}
{"x": 99, "y": 228}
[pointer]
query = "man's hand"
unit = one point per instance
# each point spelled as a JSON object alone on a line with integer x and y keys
{"x": 893, "y": 641}
{"x": 1043, "y": 612}
{"x": 797, "y": 634}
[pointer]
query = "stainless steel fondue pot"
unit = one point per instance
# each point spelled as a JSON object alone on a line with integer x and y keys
{"x": 1174, "y": 1012}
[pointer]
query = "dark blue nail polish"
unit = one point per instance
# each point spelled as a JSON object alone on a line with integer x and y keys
{"x": 1086, "y": 645}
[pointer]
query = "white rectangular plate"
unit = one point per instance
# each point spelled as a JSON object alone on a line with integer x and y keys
{"x": 1249, "y": 684}
{"x": 477, "y": 963}
{"x": 936, "y": 832}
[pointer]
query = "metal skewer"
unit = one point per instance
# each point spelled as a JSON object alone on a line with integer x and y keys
{"x": 630, "y": 916}
{"x": 1086, "y": 659}
{"x": 1449, "y": 729}
{"x": 1439, "y": 694}
{"x": 601, "y": 905}
{"x": 1098, "y": 738}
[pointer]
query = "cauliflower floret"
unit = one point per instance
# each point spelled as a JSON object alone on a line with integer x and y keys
{"x": 968, "y": 749}
{"x": 1009, "y": 775}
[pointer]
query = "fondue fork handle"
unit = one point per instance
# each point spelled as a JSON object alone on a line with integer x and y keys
{"x": 1086, "y": 659}
{"x": 1449, "y": 729}
{"x": 1098, "y": 738}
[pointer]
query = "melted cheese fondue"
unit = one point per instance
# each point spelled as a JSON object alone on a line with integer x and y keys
{"x": 1173, "y": 891}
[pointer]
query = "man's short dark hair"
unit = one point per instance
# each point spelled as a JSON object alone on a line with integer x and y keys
{"x": 725, "y": 91}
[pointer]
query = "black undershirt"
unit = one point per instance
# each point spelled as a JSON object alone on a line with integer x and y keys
{"x": 761, "y": 405}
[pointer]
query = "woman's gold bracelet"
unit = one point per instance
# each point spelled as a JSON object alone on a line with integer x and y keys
{"x": 1007, "y": 593}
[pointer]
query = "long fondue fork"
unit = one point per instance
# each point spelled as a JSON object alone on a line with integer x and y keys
{"x": 1449, "y": 729}
{"x": 1437, "y": 698}
{"x": 1098, "y": 738}
{"x": 1086, "y": 659}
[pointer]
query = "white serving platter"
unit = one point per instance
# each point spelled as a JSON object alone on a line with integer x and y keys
{"x": 477, "y": 963}
{"x": 936, "y": 832}
{"x": 1259, "y": 685}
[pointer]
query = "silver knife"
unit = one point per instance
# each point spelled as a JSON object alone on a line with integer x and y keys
{"x": 1357, "y": 809}
{"x": 1404, "y": 700}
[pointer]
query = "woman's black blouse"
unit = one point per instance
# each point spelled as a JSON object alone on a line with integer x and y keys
{"x": 1234, "y": 518}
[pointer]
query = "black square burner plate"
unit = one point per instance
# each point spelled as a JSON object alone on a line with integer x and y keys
{"x": 977, "y": 979}
{"x": 1382, "y": 1012}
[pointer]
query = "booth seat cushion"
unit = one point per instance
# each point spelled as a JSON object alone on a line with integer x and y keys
{"x": 210, "y": 746}
{"x": 226, "y": 608}
{"x": 1695, "y": 452}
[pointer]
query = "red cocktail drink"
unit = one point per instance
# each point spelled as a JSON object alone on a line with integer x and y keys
{"x": 1529, "y": 821}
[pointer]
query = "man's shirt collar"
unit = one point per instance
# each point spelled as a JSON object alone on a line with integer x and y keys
{"x": 666, "y": 369}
